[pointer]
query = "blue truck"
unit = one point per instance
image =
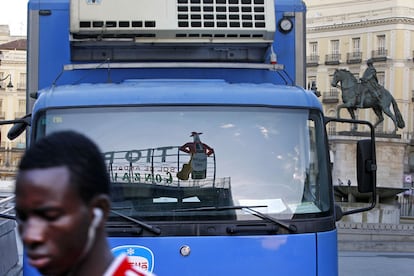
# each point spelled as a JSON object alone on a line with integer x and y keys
{"x": 218, "y": 155}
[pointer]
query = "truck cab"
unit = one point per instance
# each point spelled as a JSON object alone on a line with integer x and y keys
{"x": 218, "y": 157}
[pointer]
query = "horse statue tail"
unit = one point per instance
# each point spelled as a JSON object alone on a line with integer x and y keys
{"x": 398, "y": 116}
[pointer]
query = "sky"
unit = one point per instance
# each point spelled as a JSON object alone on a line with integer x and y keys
{"x": 14, "y": 14}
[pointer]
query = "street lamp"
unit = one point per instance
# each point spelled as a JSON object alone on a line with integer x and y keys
{"x": 9, "y": 85}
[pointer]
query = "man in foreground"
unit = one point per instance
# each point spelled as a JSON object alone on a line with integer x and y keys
{"x": 62, "y": 203}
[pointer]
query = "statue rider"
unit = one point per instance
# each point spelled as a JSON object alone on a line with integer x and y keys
{"x": 370, "y": 82}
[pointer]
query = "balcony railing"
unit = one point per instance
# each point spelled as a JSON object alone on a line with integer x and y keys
{"x": 332, "y": 129}
{"x": 332, "y": 59}
{"x": 331, "y": 97}
{"x": 354, "y": 57}
{"x": 379, "y": 55}
{"x": 312, "y": 60}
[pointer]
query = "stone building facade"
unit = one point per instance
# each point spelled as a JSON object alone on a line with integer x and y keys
{"x": 344, "y": 34}
{"x": 12, "y": 98}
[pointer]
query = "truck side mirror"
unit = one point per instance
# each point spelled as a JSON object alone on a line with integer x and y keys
{"x": 19, "y": 126}
{"x": 366, "y": 166}
{"x": 22, "y": 123}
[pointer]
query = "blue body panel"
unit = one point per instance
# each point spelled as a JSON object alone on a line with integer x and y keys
{"x": 327, "y": 253}
{"x": 147, "y": 92}
{"x": 54, "y": 52}
{"x": 302, "y": 254}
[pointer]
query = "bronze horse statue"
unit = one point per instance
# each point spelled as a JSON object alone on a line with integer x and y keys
{"x": 351, "y": 94}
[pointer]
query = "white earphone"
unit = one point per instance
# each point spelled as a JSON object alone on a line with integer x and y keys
{"x": 98, "y": 214}
{"x": 97, "y": 218}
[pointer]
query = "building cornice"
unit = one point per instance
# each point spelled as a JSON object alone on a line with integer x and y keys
{"x": 360, "y": 24}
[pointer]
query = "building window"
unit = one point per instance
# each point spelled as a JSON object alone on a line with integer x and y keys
{"x": 313, "y": 58}
{"x": 21, "y": 109}
{"x": 356, "y": 45}
{"x": 381, "y": 78}
{"x": 4, "y": 83}
{"x": 313, "y": 48}
{"x": 335, "y": 47}
{"x": 2, "y": 113}
{"x": 355, "y": 56}
{"x": 380, "y": 54}
{"x": 22, "y": 105}
{"x": 381, "y": 44}
{"x": 335, "y": 56}
{"x": 331, "y": 127}
{"x": 411, "y": 161}
{"x": 311, "y": 80}
{"x": 22, "y": 81}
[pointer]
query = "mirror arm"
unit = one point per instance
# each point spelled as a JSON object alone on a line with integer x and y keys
{"x": 9, "y": 122}
{"x": 372, "y": 167}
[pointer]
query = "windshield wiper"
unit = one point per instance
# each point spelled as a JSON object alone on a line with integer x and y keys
{"x": 148, "y": 227}
{"x": 4, "y": 216}
{"x": 250, "y": 209}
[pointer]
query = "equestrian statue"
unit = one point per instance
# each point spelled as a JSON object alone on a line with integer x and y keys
{"x": 366, "y": 93}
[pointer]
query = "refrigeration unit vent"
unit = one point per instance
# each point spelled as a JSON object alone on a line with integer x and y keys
{"x": 183, "y": 21}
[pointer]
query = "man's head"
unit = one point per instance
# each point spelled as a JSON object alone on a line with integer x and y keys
{"x": 62, "y": 198}
{"x": 369, "y": 62}
{"x": 78, "y": 154}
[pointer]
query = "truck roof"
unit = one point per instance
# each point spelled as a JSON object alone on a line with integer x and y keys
{"x": 170, "y": 91}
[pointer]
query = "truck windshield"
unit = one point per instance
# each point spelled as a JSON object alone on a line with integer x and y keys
{"x": 165, "y": 160}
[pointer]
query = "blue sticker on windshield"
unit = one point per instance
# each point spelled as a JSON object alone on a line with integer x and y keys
{"x": 137, "y": 255}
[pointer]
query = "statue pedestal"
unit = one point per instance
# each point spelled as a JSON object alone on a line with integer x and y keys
{"x": 390, "y": 153}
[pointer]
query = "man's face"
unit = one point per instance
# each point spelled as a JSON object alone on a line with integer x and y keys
{"x": 53, "y": 220}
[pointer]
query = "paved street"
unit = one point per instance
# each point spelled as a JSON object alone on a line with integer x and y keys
{"x": 375, "y": 263}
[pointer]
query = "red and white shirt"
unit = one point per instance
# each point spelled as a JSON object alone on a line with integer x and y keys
{"x": 122, "y": 267}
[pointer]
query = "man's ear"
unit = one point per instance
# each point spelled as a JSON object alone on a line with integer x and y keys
{"x": 103, "y": 203}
